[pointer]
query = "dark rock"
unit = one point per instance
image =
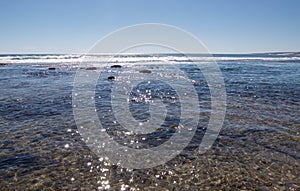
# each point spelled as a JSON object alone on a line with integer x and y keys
{"x": 51, "y": 68}
{"x": 145, "y": 71}
{"x": 91, "y": 68}
{"x": 190, "y": 157}
{"x": 111, "y": 78}
{"x": 116, "y": 66}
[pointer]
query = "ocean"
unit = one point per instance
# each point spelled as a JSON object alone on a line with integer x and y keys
{"x": 257, "y": 148}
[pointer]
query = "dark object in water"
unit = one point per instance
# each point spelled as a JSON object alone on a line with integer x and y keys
{"x": 91, "y": 68}
{"x": 111, "y": 78}
{"x": 145, "y": 71}
{"x": 116, "y": 66}
{"x": 51, "y": 68}
{"x": 3, "y": 64}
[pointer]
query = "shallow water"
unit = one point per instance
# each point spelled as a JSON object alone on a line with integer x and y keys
{"x": 257, "y": 148}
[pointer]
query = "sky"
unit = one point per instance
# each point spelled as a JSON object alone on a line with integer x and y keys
{"x": 223, "y": 26}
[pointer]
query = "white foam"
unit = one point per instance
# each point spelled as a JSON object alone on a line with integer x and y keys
{"x": 131, "y": 58}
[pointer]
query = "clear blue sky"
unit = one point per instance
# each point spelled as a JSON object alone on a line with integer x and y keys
{"x": 224, "y": 26}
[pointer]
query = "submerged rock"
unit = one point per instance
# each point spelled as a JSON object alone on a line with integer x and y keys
{"x": 146, "y": 71}
{"x": 116, "y": 66}
{"x": 111, "y": 78}
{"x": 91, "y": 68}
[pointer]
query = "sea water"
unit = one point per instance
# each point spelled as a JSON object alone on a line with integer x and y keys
{"x": 257, "y": 148}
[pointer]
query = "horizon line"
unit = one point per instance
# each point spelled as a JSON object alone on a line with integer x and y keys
{"x": 216, "y": 53}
